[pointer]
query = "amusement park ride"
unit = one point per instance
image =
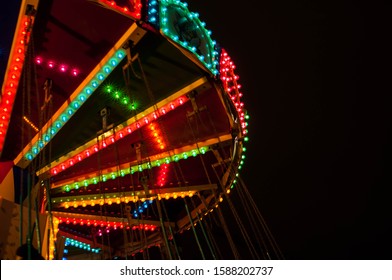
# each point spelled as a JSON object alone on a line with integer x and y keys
{"x": 121, "y": 130}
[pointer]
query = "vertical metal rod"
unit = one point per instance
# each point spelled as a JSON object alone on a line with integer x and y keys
{"x": 172, "y": 234}
{"x": 28, "y": 218}
{"x": 163, "y": 229}
{"x": 37, "y": 229}
{"x": 194, "y": 230}
{"x": 21, "y": 211}
{"x": 205, "y": 236}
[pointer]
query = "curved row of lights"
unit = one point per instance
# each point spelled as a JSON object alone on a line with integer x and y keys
{"x": 210, "y": 61}
{"x": 157, "y": 17}
{"x": 232, "y": 88}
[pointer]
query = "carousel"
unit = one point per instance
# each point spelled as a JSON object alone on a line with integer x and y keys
{"x": 122, "y": 136}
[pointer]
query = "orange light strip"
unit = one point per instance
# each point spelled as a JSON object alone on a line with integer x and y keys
{"x": 33, "y": 126}
{"x": 13, "y": 71}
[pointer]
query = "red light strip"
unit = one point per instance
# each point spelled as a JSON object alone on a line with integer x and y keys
{"x": 231, "y": 86}
{"x": 134, "y": 13}
{"x": 54, "y": 65}
{"x": 160, "y": 142}
{"x": 106, "y": 224}
{"x": 13, "y": 73}
{"x": 118, "y": 135}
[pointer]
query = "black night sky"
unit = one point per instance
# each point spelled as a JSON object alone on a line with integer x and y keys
{"x": 314, "y": 79}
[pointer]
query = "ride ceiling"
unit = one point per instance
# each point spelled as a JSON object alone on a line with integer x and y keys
{"x": 114, "y": 97}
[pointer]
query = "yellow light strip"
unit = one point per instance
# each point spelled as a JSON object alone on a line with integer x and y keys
{"x": 26, "y": 119}
{"x": 130, "y": 196}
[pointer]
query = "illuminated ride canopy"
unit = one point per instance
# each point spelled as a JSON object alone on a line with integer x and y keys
{"x": 129, "y": 119}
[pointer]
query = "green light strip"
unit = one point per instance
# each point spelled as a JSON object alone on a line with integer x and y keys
{"x": 134, "y": 168}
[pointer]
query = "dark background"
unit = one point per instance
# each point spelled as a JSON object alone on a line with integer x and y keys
{"x": 315, "y": 80}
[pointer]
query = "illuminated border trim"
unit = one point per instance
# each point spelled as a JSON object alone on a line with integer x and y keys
{"x": 232, "y": 88}
{"x": 14, "y": 67}
{"x": 212, "y": 67}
